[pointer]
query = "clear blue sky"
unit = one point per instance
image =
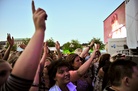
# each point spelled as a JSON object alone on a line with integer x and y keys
{"x": 67, "y": 19}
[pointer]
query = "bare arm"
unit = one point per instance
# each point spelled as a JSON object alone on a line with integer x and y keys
{"x": 28, "y": 61}
{"x": 57, "y": 45}
{"x": 39, "y": 69}
{"x": 87, "y": 49}
{"x": 45, "y": 54}
{"x": 22, "y": 46}
{"x": 11, "y": 43}
{"x": 75, "y": 75}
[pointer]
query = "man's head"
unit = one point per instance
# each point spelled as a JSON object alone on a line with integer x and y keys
{"x": 5, "y": 69}
{"x": 124, "y": 74}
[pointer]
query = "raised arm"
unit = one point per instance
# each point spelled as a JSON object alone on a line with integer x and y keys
{"x": 28, "y": 61}
{"x": 75, "y": 75}
{"x": 57, "y": 45}
{"x": 45, "y": 54}
{"x": 40, "y": 68}
{"x": 11, "y": 43}
{"x": 87, "y": 49}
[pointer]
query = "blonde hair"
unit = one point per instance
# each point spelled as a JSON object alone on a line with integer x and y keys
{"x": 78, "y": 51}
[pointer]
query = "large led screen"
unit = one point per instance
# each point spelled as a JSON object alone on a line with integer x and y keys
{"x": 114, "y": 24}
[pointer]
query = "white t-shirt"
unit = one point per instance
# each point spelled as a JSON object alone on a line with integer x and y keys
{"x": 70, "y": 86}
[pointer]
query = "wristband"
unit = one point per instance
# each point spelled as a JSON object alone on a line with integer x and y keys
{"x": 35, "y": 85}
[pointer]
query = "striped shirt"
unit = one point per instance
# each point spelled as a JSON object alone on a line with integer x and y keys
{"x": 15, "y": 83}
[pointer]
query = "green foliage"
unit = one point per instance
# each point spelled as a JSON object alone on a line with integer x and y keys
{"x": 66, "y": 46}
{"x": 26, "y": 41}
{"x": 71, "y": 46}
{"x": 66, "y": 52}
{"x": 51, "y": 42}
{"x": 98, "y": 41}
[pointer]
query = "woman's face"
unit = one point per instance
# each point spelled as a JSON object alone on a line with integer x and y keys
{"x": 47, "y": 63}
{"x": 62, "y": 76}
{"x": 77, "y": 62}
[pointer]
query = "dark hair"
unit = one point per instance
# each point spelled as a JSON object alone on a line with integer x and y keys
{"x": 49, "y": 58}
{"x": 125, "y": 46}
{"x": 119, "y": 69}
{"x": 104, "y": 63}
{"x": 104, "y": 60}
{"x": 3, "y": 72}
{"x": 70, "y": 59}
{"x": 53, "y": 67}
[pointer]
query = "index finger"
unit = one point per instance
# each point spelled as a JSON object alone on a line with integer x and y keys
{"x": 33, "y": 7}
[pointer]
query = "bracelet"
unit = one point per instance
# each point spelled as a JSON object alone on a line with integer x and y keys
{"x": 35, "y": 85}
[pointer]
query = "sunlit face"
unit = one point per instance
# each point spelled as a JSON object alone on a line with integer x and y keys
{"x": 134, "y": 80}
{"x": 62, "y": 76}
{"x": 77, "y": 62}
{"x": 5, "y": 70}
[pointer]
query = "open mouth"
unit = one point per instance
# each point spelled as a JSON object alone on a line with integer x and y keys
{"x": 67, "y": 77}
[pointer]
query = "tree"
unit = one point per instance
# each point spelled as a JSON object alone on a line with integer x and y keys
{"x": 98, "y": 41}
{"x": 51, "y": 42}
{"x": 65, "y": 47}
{"x": 26, "y": 41}
{"x": 71, "y": 46}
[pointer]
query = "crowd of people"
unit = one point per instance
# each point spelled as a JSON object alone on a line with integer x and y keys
{"x": 36, "y": 68}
